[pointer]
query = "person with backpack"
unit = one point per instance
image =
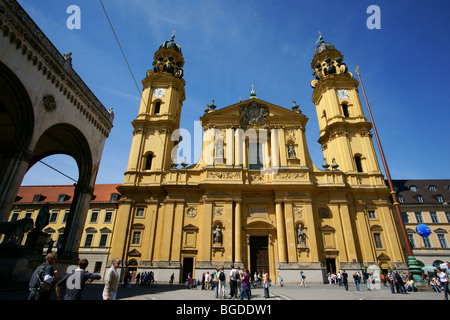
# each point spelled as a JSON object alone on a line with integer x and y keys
{"x": 41, "y": 281}
{"x": 222, "y": 278}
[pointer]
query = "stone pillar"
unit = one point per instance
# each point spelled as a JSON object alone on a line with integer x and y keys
{"x": 281, "y": 231}
{"x": 237, "y": 232}
{"x": 78, "y": 212}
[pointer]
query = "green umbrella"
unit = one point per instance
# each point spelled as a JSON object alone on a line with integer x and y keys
{"x": 428, "y": 268}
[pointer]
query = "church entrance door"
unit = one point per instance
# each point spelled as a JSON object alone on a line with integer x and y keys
{"x": 259, "y": 254}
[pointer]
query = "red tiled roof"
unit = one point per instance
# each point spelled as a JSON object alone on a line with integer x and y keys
{"x": 102, "y": 193}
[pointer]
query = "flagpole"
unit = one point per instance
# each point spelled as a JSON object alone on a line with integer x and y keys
{"x": 386, "y": 169}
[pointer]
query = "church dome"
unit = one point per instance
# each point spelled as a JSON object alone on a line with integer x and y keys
{"x": 323, "y": 46}
{"x": 171, "y": 44}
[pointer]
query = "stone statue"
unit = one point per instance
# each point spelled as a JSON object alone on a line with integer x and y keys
{"x": 301, "y": 235}
{"x": 291, "y": 151}
{"x": 217, "y": 235}
{"x": 43, "y": 218}
{"x": 13, "y": 230}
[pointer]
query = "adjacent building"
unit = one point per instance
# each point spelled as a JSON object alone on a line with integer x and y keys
{"x": 97, "y": 229}
{"x": 426, "y": 202}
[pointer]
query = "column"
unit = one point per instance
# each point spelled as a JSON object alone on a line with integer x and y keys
{"x": 275, "y": 148}
{"x": 237, "y": 232}
{"x": 281, "y": 233}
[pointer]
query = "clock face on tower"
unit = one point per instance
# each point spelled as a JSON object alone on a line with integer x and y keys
{"x": 159, "y": 92}
{"x": 343, "y": 94}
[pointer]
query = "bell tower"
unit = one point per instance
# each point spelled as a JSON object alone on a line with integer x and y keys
{"x": 159, "y": 113}
{"x": 344, "y": 130}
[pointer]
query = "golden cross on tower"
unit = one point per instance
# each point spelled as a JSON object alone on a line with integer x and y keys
{"x": 252, "y": 85}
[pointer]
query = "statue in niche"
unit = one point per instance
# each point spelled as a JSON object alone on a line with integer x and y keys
{"x": 301, "y": 235}
{"x": 291, "y": 151}
{"x": 218, "y": 235}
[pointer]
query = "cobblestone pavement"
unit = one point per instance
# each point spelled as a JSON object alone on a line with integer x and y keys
{"x": 287, "y": 292}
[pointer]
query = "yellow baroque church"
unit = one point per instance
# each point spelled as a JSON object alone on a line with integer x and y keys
{"x": 255, "y": 199}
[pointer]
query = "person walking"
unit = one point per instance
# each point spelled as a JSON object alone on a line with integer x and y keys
{"x": 111, "y": 281}
{"x": 302, "y": 279}
{"x": 77, "y": 279}
{"x": 41, "y": 281}
{"x": 357, "y": 279}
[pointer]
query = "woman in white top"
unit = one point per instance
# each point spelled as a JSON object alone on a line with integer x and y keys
{"x": 443, "y": 278}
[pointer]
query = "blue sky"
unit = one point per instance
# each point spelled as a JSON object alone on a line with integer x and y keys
{"x": 229, "y": 45}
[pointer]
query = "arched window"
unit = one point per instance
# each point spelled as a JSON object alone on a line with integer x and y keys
{"x": 148, "y": 161}
{"x": 358, "y": 163}
{"x": 157, "y": 108}
{"x": 345, "y": 110}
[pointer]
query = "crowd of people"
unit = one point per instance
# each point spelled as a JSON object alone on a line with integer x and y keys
{"x": 238, "y": 279}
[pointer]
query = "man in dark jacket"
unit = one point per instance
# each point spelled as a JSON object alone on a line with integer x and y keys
{"x": 41, "y": 281}
{"x": 75, "y": 281}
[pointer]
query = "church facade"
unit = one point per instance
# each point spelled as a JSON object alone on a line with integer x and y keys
{"x": 255, "y": 199}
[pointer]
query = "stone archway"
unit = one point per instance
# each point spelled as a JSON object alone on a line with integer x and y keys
{"x": 16, "y": 129}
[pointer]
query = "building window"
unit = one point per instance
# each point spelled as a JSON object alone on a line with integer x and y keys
{"x": 29, "y": 214}
{"x": 157, "y": 108}
{"x": 358, "y": 162}
{"x": 148, "y": 161}
{"x": 66, "y": 216}
{"x": 255, "y": 156}
{"x": 400, "y": 199}
{"x": 405, "y": 217}
{"x": 426, "y": 242}
{"x": 103, "y": 240}
{"x": 108, "y": 216}
{"x": 345, "y": 110}
{"x": 432, "y": 188}
{"x": 136, "y": 237}
{"x": 94, "y": 216}
{"x": 411, "y": 240}
{"x": 15, "y": 216}
{"x": 413, "y": 188}
{"x": 61, "y": 198}
{"x": 434, "y": 217}
{"x": 36, "y": 198}
{"x": 378, "y": 243}
{"x": 442, "y": 240}
{"x": 88, "y": 241}
{"x": 439, "y": 198}
{"x": 418, "y": 216}
{"x": 447, "y": 215}
{"x": 372, "y": 214}
{"x": 98, "y": 267}
{"x": 114, "y": 197}
{"x": 419, "y": 198}
{"x": 53, "y": 216}
{"x": 139, "y": 212}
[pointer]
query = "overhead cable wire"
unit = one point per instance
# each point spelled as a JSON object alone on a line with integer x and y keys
{"x": 120, "y": 46}
{"x": 57, "y": 171}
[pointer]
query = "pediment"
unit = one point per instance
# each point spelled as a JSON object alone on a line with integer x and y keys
{"x": 253, "y": 112}
{"x": 134, "y": 253}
